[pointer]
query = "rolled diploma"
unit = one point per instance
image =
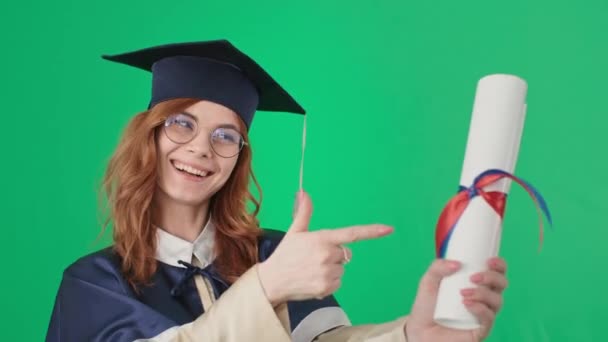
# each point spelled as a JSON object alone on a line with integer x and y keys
{"x": 493, "y": 143}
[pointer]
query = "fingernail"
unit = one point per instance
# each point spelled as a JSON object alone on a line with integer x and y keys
{"x": 385, "y": 229}
{"x": 467, "y": 302}
{"x": 476, "y": 278}
{"x": 497, "y": 264}
{"x": 453, "y": 265}
{"x": 467, "y": 292}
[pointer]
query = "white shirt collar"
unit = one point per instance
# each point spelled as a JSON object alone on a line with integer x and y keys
{"x": 170, "y": 248}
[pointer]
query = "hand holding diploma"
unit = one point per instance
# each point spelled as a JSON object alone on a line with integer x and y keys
{"x": 483, "y": 301}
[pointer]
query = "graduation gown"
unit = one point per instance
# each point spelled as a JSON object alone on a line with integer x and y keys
{"x": 188, "y": 301}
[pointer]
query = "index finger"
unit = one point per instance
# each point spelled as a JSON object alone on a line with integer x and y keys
{"x": 356, "y": 233}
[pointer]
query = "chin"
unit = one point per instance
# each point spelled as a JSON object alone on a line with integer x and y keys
{"x": 183, "y": 196}
{"x": 192, "y": 194}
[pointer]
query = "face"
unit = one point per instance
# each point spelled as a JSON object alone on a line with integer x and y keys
{"x": 191, "y": 171}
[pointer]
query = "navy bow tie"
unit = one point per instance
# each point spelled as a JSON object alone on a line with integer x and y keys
{"x": 208, "y": 272}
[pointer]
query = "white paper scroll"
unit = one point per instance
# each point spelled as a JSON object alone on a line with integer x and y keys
{"x": 493, "y": 143}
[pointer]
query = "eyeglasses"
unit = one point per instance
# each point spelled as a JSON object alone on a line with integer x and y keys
{"x": 181, "y": 128}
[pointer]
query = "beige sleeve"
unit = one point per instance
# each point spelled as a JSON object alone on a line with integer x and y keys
{"x": 242, "y": 313}
{"x": 393, "y": 331}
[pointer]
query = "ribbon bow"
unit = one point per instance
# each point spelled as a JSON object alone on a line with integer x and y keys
{"x": 191, "y": 270}
{"x": 456, "y": 206}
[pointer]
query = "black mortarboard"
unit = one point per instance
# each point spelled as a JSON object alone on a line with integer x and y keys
{"x": 210, "y": 70}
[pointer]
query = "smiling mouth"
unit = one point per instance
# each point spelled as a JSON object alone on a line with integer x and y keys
{"x": 190, "y": 171}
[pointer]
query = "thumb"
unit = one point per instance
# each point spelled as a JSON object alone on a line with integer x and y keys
{"x": 421, "y": 315}
{"x": 440, "y": 268}
{"x": 302, "y": 213}
{"x": 426, "y": 298}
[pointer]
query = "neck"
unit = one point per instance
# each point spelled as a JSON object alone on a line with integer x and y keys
{"x": 183, "y": 220}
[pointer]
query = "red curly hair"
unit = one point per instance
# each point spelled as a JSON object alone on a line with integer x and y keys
{"x": 129, "y": 185}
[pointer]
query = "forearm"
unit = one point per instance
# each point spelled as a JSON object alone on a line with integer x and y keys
{"x": 242, "y": 313}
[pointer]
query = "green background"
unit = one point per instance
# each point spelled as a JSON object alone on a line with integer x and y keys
{"x": 389, "y": 88}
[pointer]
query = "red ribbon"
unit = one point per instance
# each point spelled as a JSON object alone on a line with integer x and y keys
{"x": 497, "y": 200}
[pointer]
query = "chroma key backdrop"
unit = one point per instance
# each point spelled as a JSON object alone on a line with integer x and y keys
{"x": 388, "y": 87}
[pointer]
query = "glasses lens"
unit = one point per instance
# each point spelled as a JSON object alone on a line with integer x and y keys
{"x": 180, "y": 128}
{"x": 226, "y": 142}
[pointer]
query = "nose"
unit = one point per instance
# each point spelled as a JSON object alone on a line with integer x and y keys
{"x": 200, "y": 145}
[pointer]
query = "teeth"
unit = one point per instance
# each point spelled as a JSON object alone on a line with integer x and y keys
{"x": 189, "y": 169}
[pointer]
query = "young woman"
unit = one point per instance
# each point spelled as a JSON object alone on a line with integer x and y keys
{"x": 189, "y": 261}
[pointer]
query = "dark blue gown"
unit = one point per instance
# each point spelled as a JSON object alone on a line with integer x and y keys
{"x": 95, "y": 303}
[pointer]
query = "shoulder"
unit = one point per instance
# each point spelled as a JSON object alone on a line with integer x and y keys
{"x": 102, "y": 268}
{"x": 268, "y": 242}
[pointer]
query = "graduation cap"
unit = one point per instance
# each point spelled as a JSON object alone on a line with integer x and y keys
{"x": 210, "y": 70}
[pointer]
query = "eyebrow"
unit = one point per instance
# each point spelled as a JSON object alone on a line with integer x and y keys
{"x": 225, "y": 125}
{"x": 190, "y": 115}
{"x": 228, "y": 126}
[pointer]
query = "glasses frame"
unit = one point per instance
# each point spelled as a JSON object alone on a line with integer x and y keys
{"x": 242, "y": 142}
